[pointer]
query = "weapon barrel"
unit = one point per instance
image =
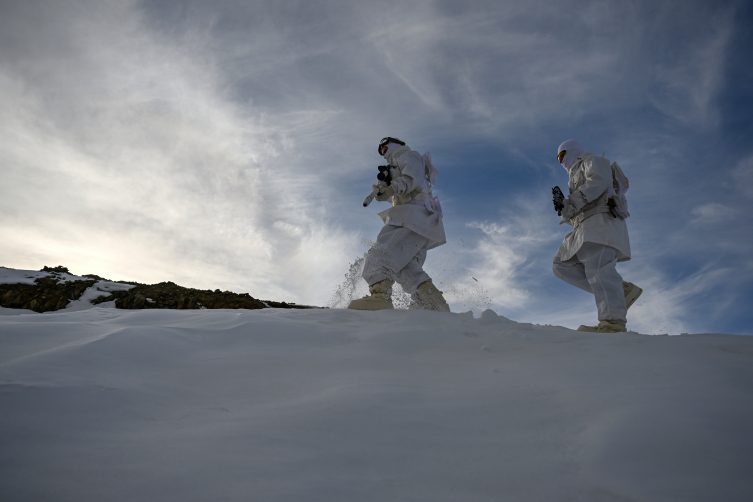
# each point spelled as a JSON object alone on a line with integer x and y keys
{"x": 370, "y": 197}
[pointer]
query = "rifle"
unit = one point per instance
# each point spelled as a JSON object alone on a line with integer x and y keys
{"x": 384, "y": 179}
{"x": 558, "y": 198}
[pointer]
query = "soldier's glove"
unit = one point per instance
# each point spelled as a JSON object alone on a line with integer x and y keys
{"x": 384, "y": 194}
{"x": 573, "y": 204}
{"x": 568, "y": 209}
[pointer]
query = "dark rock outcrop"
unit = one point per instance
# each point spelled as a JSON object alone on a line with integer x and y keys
{"x": 168, "y": 295}
{"x": 49, "y": 294}
{"x": 45, "y": 295}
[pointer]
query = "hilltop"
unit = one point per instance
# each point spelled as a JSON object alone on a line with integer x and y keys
{"x": 55, "y": 288}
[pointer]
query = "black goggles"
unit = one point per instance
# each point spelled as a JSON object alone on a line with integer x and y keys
{"x": 386, "y": 141}
{"x": 561, "y": 156}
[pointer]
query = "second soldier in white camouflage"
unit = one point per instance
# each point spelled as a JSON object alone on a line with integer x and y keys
{"x": 589, "y": 254}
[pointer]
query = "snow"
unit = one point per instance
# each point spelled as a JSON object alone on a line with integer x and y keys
{"x": 339, "y": 405}
{"x": 100, "y": 288}
{"x": 15, "y": 276}
{"x": 7, "y": 311}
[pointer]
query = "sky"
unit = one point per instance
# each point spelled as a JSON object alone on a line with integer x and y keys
{"x": 229, "y": 144}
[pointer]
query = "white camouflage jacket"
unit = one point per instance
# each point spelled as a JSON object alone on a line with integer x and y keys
{"x": 409, "y": 181}
{"x": 590, "y": 178}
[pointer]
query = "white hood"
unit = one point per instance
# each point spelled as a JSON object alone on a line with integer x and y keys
{"x": 574, "y": 150}
{"x": 391, "y": 148}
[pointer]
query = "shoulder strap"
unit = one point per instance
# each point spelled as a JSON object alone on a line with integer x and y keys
{"x": 621, "y": 183}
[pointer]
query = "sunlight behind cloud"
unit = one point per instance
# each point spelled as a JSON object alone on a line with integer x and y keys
{"x": 230, "y": 144}
{"x": 138, "y": 166}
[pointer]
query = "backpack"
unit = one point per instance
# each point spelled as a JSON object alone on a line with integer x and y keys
{"x": 620, "y": 185}
{"x": 431, "y": 174}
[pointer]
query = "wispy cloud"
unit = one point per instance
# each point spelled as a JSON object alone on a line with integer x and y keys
{"x": 701, "y": 301}
{"x": 229, "y": 144}
{"x": 130, "y": 151}
{"x": 692, "y": 81}
{"x": 513, "y": 255}
{"x": 743, "y": 177}
{"x": 707, "y": 214}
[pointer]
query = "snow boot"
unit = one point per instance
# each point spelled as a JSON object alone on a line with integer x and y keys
{"x": 632, "y": 292}
{"x": 380, "y": 298}
{"x": 604, "y": 327}
{"x": 428, "y": 297}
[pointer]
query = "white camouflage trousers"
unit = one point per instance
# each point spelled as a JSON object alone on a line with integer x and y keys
{"x": 399, "y": 255}
{"x": 593, "y": 269}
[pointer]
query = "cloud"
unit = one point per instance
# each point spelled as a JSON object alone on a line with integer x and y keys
{"x": 512, "y": 257}
{"x": 713, "y": 213}
{"x": 230, "y": 144}
{"x": 743, "y": 176}
{"x": 691, "y": 82}
{"x": 483, "y": 68}
{"x": 703, "y": 301}
{"x": 127, "y": 161}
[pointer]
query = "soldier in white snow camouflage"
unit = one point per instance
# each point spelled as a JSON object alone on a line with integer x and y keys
{"x": 588, "y": 256}
{"x": 412, "y": 226}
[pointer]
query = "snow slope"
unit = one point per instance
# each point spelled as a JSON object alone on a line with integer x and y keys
{"x": 338, "y": 405}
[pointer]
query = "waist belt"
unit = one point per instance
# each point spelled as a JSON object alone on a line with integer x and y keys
{"x": 578, "y": 218}
{"x": 416, "y": 197}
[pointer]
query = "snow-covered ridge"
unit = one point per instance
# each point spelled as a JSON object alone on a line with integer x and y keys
{"x": 52, "y": 289}
{"x": 14, "y": 276}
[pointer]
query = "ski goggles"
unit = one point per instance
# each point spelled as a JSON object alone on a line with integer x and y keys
{"x": 388, "y": 140}
{"x": 561, "y": 156}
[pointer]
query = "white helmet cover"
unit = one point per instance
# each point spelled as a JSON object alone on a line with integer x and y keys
{"x": 392, "y": 144}
{"x": 574, "y": 150}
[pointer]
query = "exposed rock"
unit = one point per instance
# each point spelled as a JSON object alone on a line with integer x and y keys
{"x": 56, "y": 270}
{"x": 168, "y": 295}
{"x": 50, "y": 293}
{"x": 47, "y": 294}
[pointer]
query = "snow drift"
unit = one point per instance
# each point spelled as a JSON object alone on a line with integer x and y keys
{"x": 338, "y": 405}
